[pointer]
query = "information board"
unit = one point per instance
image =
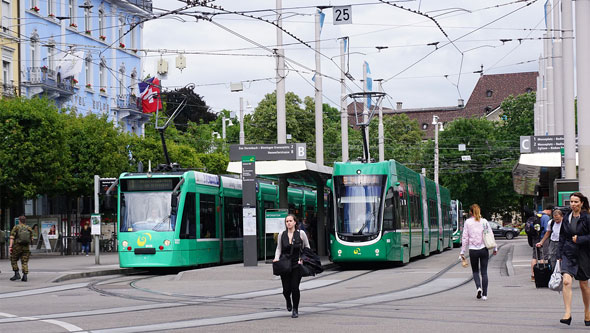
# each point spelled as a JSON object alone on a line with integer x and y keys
{"x": 274, "y": 220}
{"x": 95, "y": 224}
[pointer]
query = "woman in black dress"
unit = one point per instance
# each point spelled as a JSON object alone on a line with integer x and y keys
{"x": 574, "y": 254}
{"x": 291, "y": 242}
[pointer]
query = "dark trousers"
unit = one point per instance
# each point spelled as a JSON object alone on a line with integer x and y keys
{"x": 291, "y": 283}
{"x": 478, "y": 257}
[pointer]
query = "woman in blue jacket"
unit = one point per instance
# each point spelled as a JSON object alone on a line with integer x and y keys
{"x": 574, "y": 254}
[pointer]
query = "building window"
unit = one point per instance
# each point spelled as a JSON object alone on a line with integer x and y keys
{"x": 133, "y": 85}
{"x": 51, "y": 8}
{"x": 133, "y": 36}
{"x": 87, "y": 17}
{"x": 121, "y": 80}
{"x": 102, "y": 77}
{"x": 88, "y": 70}
{"x": 529, "y": 90}
{"x": 101, "y": 19}
{"x": 72, "y": 12}
{"x": 488, "y": 109}
{"x": 6, "y": 15}
{"x": 6, "y": 73}
{"x": 51, "y": 57}
{"x": 424, "y": 126}
{"x": 35, "y": 50}
{"x": 34, "y": 4}
{"x": 121, "y": 31}
{"x": 489, "y": 93}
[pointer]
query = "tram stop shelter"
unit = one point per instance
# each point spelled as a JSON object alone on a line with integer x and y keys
{"x": 535, "y": 173}
{"x": 296, "y": 171}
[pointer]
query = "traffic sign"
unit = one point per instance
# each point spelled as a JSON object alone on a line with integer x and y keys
{"x": 342, "y": 15}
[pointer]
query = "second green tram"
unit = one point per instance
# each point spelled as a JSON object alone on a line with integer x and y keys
{"x": 386, "y": 212}
{"x": 457, "y": 219}
{"x": 175, "y": 219}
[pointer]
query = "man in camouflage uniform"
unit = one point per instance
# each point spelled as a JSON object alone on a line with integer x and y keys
{"x": 21, "y": 251}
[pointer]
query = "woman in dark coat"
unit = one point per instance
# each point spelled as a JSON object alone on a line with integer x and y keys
{"x": 292, "y": 241}
{"x": 574, "y": 254}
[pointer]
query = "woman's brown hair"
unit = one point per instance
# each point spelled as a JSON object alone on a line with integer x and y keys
{"x": 583, "y": 200}
{"x": 475, "y": 211}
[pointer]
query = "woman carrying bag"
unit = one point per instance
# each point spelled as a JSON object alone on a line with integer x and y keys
{"x": 574, "y": 255}
{"x": 473, "y": 236}
{"x": 290, "y": 243}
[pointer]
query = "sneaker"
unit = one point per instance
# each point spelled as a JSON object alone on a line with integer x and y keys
{"x": 87, "y": 255}
{"x": 484, "y": 298}
{"x": 479, "y": 293}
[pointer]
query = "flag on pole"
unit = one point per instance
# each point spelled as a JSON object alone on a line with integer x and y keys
{"x": 322, "y": 17}
{"x": 369, "y": 83}
{"x": 149, "y": 93}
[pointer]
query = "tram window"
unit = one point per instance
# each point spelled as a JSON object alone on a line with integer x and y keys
{"x": 188, "y": 225}
{"x": 397, "y": 211}
{"x": 233, "y": 218}
{"x": 388, "y": 212}
{"x": 404, "y": 211}
{"x": 207, "y": 216}
{"x": 432, "y": 213}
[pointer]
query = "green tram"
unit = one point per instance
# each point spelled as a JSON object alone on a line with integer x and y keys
{"x": 386, "y": 212}
{"x": 457, "y": 219}
{"x": 190, "y": 218}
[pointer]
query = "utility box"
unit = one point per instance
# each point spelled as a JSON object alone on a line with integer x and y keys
{"x": 562, "y": 189}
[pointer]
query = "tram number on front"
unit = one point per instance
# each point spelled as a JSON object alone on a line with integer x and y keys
{"x": 342, "y": 15}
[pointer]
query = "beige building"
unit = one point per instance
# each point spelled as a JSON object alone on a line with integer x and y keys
{"x": 9, "y": 50}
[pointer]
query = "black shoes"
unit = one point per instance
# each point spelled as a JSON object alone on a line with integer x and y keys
{"x": 15, "y": 277}
{"x": 295, "y": 314}
{"x": 478, "y": 293}
{"x": 587, "y": 322}
{"x": 24, "y": 279}
{"x": 289, "y": 306}
{"x": 568, "y": 321}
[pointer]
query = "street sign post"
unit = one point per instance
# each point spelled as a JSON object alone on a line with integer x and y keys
{"x": 249, "y": 210}
{"x": 288, "y": 151}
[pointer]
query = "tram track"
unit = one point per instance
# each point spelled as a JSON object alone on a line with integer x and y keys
{"x": 240, "y": 301}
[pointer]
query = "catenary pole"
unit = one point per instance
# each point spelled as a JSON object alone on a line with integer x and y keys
{"x": 343, "y": 102}
{"x": 319, "y": 121}
{"x": 366, "y": 110}
{"x": 281, "y": 107}
{"x": 583, "y": 92}
{"x": 569, "y": 120}
{"x": 381, "y": 134}
{"x": 557, "y": 70}
{"x": 549, "y": 72}
{"x": 242, "y": 139}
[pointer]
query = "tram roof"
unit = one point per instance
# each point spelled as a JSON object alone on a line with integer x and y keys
{"x": 294, "y": 169}
{"x": 536, "y": 170}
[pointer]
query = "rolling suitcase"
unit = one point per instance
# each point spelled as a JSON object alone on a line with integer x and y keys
{"x": 542, "y": 273}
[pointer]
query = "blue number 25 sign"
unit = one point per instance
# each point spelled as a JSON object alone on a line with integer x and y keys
{"x": 342, "y": 15}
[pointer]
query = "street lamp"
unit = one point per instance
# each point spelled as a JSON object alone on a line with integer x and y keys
{"x": 436, "y": 129}
{"x": 229, "y": 123}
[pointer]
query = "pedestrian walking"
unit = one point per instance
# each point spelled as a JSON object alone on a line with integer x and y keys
{"x": 540, "y": 253}
{"x": 550, "y": 241}
{"x": 291, "y": 242}
{"x": 478, "y": 252}
{"x": 574, "y": 254}
{"x": 21, "y": 238}
{"x": 85, "y": 238}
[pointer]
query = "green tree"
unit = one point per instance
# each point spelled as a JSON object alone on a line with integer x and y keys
{"x": 518, "y": 116}
{"x": 34, "y": 156}
{"x": 96, "y": 148}
{"x": 478, "y": 180}
{"x": 402, "y": 138}
{"x": 194, "y": 110}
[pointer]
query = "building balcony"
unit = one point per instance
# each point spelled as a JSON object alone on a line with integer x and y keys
{"x": 144, "y": 6}
{"x": 9, "y": 90}
{"x": 48, "y": 82}
{"x": 129, "y": 108}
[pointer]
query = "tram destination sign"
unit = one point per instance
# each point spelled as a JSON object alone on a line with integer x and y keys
{"x": 541, "y": 143}
{"x": 276, "y": 152}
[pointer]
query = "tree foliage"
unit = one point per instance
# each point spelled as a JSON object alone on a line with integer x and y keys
{"x": 195, "y": 109}
{"x": 33, "y": 152}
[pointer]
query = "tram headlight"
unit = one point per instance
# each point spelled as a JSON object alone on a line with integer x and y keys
{"x": 376, "y": 251}
{"x": 167, "y": 242}
{"x": 124, "y": 243}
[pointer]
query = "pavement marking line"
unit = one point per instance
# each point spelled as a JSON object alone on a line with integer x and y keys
{"x": 43, "y": 290}
{"x": 14, "y": 319}
{"x": 69, "y": 327}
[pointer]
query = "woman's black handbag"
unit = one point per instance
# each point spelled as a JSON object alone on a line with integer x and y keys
{"x": 283, "y": 266}
{"x": 312, "y": 264}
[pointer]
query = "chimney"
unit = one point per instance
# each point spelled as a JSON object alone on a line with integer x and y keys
{"x": 460, "y": 103}
{"x": 399, "y": 105}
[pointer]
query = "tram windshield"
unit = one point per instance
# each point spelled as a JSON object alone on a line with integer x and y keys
{"x": 358, "y": 205}
{"x": 146, "y": 211}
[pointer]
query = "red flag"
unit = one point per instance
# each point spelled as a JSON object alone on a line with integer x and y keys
{"x": 149, "y": 92}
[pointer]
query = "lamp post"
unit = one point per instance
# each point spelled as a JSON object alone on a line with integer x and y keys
{"x": 436, "y": 124}
{"x": 223, "y": 120}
